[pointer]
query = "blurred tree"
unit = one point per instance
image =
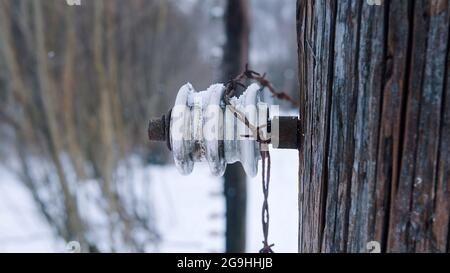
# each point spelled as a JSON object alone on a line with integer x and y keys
{"x": 72, "y": 76}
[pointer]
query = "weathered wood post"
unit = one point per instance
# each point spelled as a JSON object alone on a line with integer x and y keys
{"x": 374, "y": 156}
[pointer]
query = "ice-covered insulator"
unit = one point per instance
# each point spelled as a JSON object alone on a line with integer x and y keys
{"x": 203, "y": 127}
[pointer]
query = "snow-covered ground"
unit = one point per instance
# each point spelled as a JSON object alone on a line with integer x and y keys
{"x": 189, "y": 210}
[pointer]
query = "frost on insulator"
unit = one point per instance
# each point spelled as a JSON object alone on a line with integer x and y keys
{"x": 203, "y": 129}
{"x": 180, "y": 127}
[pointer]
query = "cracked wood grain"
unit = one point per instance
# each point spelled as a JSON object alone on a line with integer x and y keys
{"x": 374, "y": 155}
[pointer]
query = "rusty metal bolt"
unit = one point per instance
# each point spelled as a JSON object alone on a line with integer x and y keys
{"x": 288, "y": 132}
{"x": 157, "y": 129}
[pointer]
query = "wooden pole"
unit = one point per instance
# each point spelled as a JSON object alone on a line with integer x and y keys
{"x": 374, "y": 156}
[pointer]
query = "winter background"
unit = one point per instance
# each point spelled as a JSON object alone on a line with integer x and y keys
{"x": 182, "y": 213}
{"x": 189, "y": 210}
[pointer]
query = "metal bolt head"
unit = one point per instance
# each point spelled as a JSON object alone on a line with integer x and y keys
{"x": 288, "y": 132}
{"x": 157, "y": 129}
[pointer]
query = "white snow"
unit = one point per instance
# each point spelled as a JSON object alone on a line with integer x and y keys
{"x": 189, "y": 210}
{"x": 22, "y": 227}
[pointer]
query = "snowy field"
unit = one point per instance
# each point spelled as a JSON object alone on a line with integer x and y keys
{"x": 189, "y": 210}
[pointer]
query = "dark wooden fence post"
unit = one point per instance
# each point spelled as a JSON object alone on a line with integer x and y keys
{"x": 374, "y": 157}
